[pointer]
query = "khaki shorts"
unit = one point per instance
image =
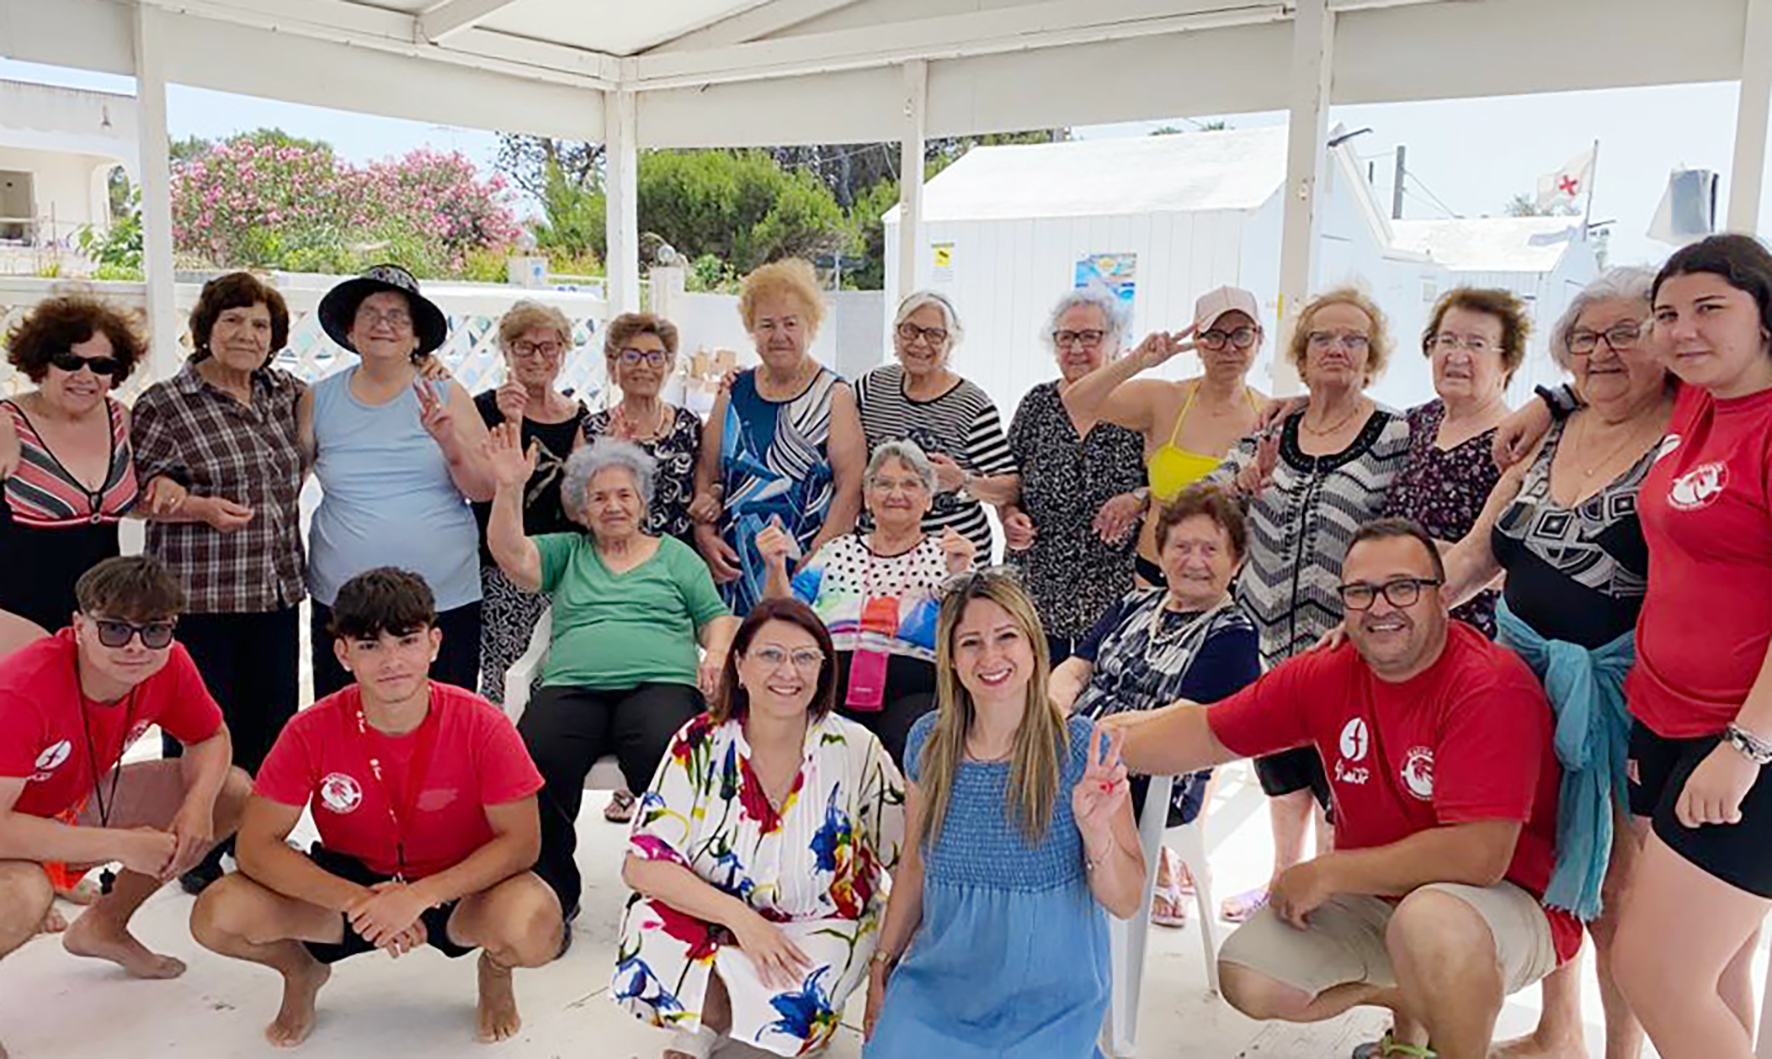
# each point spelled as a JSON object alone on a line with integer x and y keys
{"x": 1345, "y": 942}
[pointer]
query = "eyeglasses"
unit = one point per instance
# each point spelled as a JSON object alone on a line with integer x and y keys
{"x": 936, "y": 337}
{"x": 112, "y": 633}
{"x": 536, "y": 349}
{"x": 653, "y": 357}
{"x": 774, "y": 658}
{"x": 1446, "y": 342}
{"x": 887, "y": 484}
{"x": 70, "y": 362}
{"x": 1087, "y": 339}
{"x": 1352, "y": 341}
{"x": 1241, "y": 338}
{"x": 1401, "y": 592}
{"x": 1621, "y": 337}
{"x": 397, "y": 319}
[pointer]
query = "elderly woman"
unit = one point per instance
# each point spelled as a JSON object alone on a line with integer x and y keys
{"x": 398, "y": 458}
{"x": 1475, "y": 340}
{"x": 1082, "y": 481}
{"x": 878, "y": 594}
{"x": 69, "y": 474}
{"x": 760, "y": 854}
{"x": 920, "y": 399}
{"x": 629, "y": 609}
{"x": 1187, "y": 426}
{"x": 225, "y": 426}
{"x": 1020, "y": 836}
{"x": 535, "y": 340}
{"x": 640, "y": 350}
{"x": 784, "y": 443}
{"x": 1307, "y": 487}
{"x": 1187, "y": 640}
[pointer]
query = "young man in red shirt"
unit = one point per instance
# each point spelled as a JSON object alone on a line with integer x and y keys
{"x": 1438, "y": 747}
{"x": 425, "y": 801}
{"x": 70, "y": 705}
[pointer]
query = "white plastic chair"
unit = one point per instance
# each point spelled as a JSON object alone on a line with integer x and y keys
{"x": 606, "y": 774}
{"x": 1127, "y": 938}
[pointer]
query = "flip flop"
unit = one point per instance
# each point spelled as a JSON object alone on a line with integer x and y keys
{"x": 620, "y": 809}
{"x": 1175, "y": 915}
{"x": 1239, "y": 908}
{"x": 1387, "y": 1047}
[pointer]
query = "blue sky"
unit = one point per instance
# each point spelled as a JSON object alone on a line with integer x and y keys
{"x": 1465, "y": 156}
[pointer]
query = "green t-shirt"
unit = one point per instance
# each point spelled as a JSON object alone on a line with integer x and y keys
{"x": 622, "y": 630}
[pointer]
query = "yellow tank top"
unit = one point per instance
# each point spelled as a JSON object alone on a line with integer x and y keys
{"x": 1172, "y": 468}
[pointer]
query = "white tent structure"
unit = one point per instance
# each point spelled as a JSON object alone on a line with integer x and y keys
{"x": 736, "y": 72}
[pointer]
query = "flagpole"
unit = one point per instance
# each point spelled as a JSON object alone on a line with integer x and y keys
{"x": 1593, "y": 170}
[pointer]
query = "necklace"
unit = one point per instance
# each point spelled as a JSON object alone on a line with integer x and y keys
{"x": 1591, "y": 470}
{"x": 107, "y": 878}
{"x": 1327, "y": 431}
{"x": 625, "y": 429}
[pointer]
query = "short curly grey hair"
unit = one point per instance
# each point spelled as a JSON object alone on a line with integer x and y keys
{"x": 1628, "y": 284}
{"x": 1116, "y": 314}
{"x": 597, "y": 457}
{"x": 906, "y": 452}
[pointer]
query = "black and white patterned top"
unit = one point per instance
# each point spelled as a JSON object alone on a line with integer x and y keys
{"x": 674, "y": 485}
{"x": 1444, "y": 490}
{"x": 1576, "y": 574}
{"x": 1072, "y": 575}
{"x": 1300, "y": 527}
{"x": 543, "y": 510}
{"x": 961, "y": 423}
{"x": 1198, "y": 656}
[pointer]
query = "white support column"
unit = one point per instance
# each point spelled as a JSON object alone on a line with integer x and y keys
{"x": 621, "y": 162}
{"x": 1313, "y": 50}
{"x": 910, "y": 175}
{"x": 1748, "y": 173}
{"x": 165, "y": 356}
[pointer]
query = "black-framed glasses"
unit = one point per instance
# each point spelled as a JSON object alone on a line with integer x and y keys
{"x": 1621, "y": 337}
{"x": 70, "y": 362}
{"x": 521, "y": 348}
{"x": 652, "y": 357}
{"x": 935, "y": 336}
{"x": 1087, "y": 339}
{"x": 1398, "y": 592}
{"x": 1241, "y": 338}
{"x": 113, "y": 633}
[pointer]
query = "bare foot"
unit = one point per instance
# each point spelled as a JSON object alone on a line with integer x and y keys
{"x": 295, "y": 1019}
{"x": 84, "y": 892}
{"x": 91, "y": 936}
{"x": 1534, "y": 1047}
{"x": 498, "y": 1003}
{"x": 53, "y": 923}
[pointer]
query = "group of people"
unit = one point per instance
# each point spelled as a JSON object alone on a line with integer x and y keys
{"x": 860, "y": 757}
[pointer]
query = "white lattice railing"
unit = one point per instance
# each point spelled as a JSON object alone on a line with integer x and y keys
{"x": 471, "y": 351}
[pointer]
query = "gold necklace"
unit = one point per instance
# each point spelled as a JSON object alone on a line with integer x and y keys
{"x": 1327, "y": 431}
{"x": 1589, "y": 472}
{"x": 627, "y": 430}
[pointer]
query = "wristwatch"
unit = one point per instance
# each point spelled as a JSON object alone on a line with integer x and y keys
{"x": 1751, "y": 746}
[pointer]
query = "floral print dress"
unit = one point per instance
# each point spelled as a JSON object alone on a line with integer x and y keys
{"x": 817, "y": 868}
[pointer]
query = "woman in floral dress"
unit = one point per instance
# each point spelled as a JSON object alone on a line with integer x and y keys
{"x": 759, "y": 855}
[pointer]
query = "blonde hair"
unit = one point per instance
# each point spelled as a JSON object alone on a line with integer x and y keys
{"x": 1378, "y": 341}
{"x": 1042, "y": 740}
{"x": 527, "y": 314}
{"x": 790, "y": 276}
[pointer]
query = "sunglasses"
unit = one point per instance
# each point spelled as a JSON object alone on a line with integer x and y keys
{"x": 112, "y": 633}
{"x": 70, "y": 361}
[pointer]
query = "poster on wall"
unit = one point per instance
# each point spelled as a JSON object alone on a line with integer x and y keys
{"x": 942, "y": 267}
{"x": 1117, "y": 272}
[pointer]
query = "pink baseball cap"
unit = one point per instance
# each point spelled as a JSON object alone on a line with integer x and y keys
{"x": 1215, "y": 303}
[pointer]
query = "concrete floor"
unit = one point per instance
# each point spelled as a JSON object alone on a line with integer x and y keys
{"x": 53, "y": 1006}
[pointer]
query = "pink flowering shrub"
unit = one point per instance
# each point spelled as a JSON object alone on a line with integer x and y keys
{"x": 262, "y": 200}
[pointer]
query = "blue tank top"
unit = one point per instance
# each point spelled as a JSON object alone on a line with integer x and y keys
{"x": 387, "y": 498}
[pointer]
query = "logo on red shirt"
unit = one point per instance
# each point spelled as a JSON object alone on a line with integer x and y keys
{"x": 51, "y": 759}
{"x": 1418, "y": 772}
{"x": 1355, "y": 739}
{"x": 1699, "y": 487}
{"x": 340, "y": 793}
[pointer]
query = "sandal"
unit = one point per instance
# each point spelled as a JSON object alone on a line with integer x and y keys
{"x": 1178, "y": 871}
{"x": 1240, "y": 908}
{"x": 620, "y": 809}
{"x": 1386, "y": 1047}
{"x": 1169, "y": 907}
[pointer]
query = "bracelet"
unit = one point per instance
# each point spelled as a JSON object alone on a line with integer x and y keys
{"x": 1751, "y": 746}
{"x": 881, "y": 956}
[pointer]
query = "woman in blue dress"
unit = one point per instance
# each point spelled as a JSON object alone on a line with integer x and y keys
{"x": 1020, "y": 833}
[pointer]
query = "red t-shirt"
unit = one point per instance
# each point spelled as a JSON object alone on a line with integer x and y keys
{"x": 43, "y": 740}
{"x": 477, "y": 759}
{"x": 1466, "y": 741}
{"x": 1707, "y": 517}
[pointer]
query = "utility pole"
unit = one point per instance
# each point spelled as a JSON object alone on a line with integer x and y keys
{"x": 1397, "y": 187}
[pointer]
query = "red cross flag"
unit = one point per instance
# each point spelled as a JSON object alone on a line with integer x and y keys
{"x": 1568, "y": 184}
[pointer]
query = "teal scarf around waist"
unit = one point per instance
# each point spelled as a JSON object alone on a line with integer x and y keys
{"x": 1586, "y": 692}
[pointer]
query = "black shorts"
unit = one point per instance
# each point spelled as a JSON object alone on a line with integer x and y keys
{"x": 1739, "y": 854}
{"x": 436, "y": 920}
{"x": 1293, "y": 770}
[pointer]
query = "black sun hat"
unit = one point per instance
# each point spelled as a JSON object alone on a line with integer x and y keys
{"x": 338, "y": 310}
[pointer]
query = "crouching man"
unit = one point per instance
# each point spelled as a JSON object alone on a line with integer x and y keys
{"x": 1439, "y": 755}
{"x": 70, "y": 705}
{"x": 425, "y": 802}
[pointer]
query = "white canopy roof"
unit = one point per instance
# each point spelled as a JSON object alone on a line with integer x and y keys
{"x": 1490, "y": 244}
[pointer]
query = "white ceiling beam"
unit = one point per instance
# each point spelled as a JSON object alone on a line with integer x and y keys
{"x": 755, "y": 23}
{"x": 452, "y": 16}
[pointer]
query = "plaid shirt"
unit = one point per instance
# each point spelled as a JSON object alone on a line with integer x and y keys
{"x": 191, "y": 431}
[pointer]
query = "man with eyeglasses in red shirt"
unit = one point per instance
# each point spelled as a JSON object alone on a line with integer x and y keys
{"x": 70, "y": 706}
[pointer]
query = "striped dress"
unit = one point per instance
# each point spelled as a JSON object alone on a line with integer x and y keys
{"x": 961, "y": 423}
{"x": 1300, "y": 527}
{"x": 52, "y": 527}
